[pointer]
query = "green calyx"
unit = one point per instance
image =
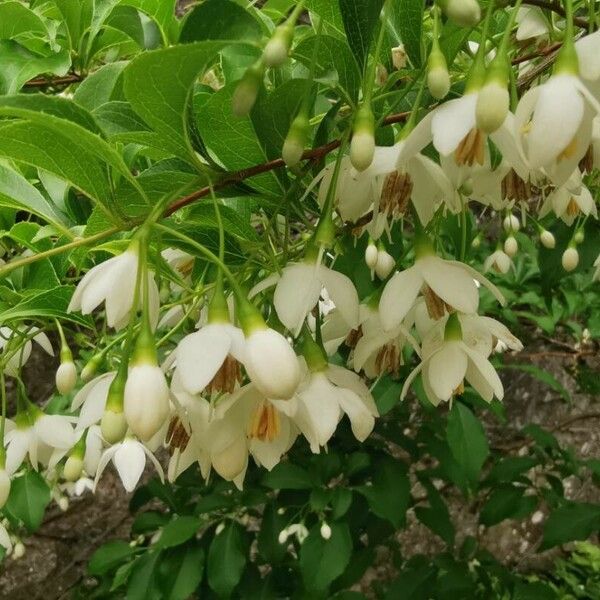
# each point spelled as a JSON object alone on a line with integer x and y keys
{"x": 249, "y": 316}
{"x": 364, "y": 120}
{"x": 423, "y": 245}
{"x": 453, "y": 330}
{"x": 313, "y": 353}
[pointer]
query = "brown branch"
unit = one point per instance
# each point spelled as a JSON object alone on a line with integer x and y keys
{"x": 45, "y": 81}
{"x": 558, "y": 9}
{"x": 239, "y": 176}
{"x": 537, "y": 54}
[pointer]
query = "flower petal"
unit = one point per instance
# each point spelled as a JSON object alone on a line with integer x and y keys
{"x": 446, "y": 369}
{"x": 398, "y": 296}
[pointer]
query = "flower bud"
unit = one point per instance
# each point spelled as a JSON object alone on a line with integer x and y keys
{"x": 493, "y": 102}
{"x": 146, "y": 400}
{"x": 277, "y": 48}
{"x": 511, "y": 223}
{"x": 295, "y": 141}
{"x": 511, "y": 247}
{"x": 476, "y": 242}
{"x": 371, "y": 255}
{"x": 246, "y": 91}
{"x": 362, "y": 146}
{"x": 271, "y": 363}
{"x": 465, "y": 13}
{"x": 4, "y": 487}
{"x": 283, "y": 536}
{"x": 63, "y": 503}
{"x": 570, "y": 259}
{"x": 399, "y": 57}
{"x": 547, "y": 239}
{"x": 113, "y": 426}
{"x": 18, "y": 551}
{"x": 579, "y": 236}
{"x": 73, "y": 468}
{"x": 89, "y": 370}
{"x": 438, "y": 78}
{"x": 385, "y": 264}
{"x": 66, "y": 377}
{"x": 325, "y": 531}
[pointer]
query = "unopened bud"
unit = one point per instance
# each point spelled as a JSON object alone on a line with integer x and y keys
{"x": 466, "y": 13}
{"x": 277, "y": 48}
{"x": 493, "y": 102}
{"x": 579, "y": 236}
{"x": 63, "y": 503}
{"x": 18, "y": 550}
{"x": 547, "y": 239}
{"x": 570, "y": 259}
{"x": 283, "y": 536}
{"x": 73, "y": 468}
{"x": 4, "y": 487}
{"x": 362, "y": 146}
{"x": 438, "y": 78}
{"x": 295, "y": 141}
{"x": 371, "y": 255}
{"x": 246, "y": 91}
{"x": 511, "y": 247}
{"x": 325, "y": 531}
{"x": 385, "y": 264}
{"x": 113, "y": 426}
{"x": 511, "y": 223}
{"x": 89, "y": 370}
{"x": 66, "y": 377}
{"x": 476, "y": 242}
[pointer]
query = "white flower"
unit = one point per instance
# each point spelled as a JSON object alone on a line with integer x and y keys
{"x": 91, "y": 399}
{"x": 554, "y": 124}
{"x": 300, "y": 286}
{"x": 129, "y": 459}
{"x": 20, "y": 353}
{"x": 588, "y": 52}
{"x": 33, "y": 434}
{"x": 146, "y": 399}
{"x": 570, "y": 200}
{"x": 442, "y": 282}
{"x": 570, "y": 259}
{"x": 322, "y": 400}
{"x": 532, "y": 23}
{"x": 209, "y": 358}
{"x": 113, "y": 282}
{"x": 4, "y": 487}
{"x": 271, "y": 363}
{"x": 499, "y": 261}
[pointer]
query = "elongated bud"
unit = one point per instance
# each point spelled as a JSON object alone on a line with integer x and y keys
{"x": 511, "y": 247}
{"x": 466, "y": 13}
{"x": 371, "y": 255}
{"x": 325, "y": 531}
{"x": 511, "y": 223}
{"x": 362, "y": 146}
{"x": 4, "y": 487}
{"x": 547, "y": 239}
{"x": 438, "y": 78}
{"x": 570, "y": 259}
{"x": 246, "y": 91}
{"x": 385, "y": 264}
{"x": 277, "y": 49}
{"x": 295, "y": 141}
{"x": 89, "y": 370}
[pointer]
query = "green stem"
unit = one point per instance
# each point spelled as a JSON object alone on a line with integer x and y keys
{"x": 3, "y": 420}
{"x": 372, "y": 71}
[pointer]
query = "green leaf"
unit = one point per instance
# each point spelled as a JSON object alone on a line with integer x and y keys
{"x": 389, "y": 494}
{"x": 233, "y": 222}
{"x": 329, "y": 11}
{"x": 511, "y": 467}
{"x": 575, "y": 521}
{"x": 219, "y": 20}
{"x": 100, "y": 87}
{"x": 18, "y": 65}
{"x": 467, "y": 440}
{"x": 178, "y": 531}
{"x": 387, "y": 394}
{"x": 408, "y": 19}
{"x": 162, "y": 12}
{"x": 143, "y": 582}
{"x": 322, "y": 561}
{"x": 16, "y": 20}
{"x": 506, "y": 502}
{"x": 158, "y": 86}
{"x": 232, "y": 140}
{"x": 227, "y": 558}
{"x": 360, "y": 18}
{"x": 335, "y": 62}
{"x": 181, "y": 571}
{"x": 287, "y": 476}
{"x": 109, "y": 556}
{"x": 541, "y": 375}
{"x": 29, "y": 496}
{"x": 436, "y": 516}
{"x": 268, "y": 537}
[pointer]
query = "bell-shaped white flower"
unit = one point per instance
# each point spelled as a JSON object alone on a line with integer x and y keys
{"x": 323, "y": 398}
{"x": 532, "y": 23}
{"x": 271, "y": 363}
{"x": 129, "y": 459}
{"x": 113, "y": 282}
{"x": 66, "y": 377}
{"x": 588, "y": 52}
{"x": 442, "y": 282}
{"x": 35, "y": 433}
{"x": 300, "y": 286}
{"x": 19, "y": 351}
{"x": 498, "y": 261}
{"x": 570, "y": 200}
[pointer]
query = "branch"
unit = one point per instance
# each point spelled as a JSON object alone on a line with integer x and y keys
{"x": 239, "y": 176}
{"x": 50, "y": 81}
{"x": 558, "y": 9}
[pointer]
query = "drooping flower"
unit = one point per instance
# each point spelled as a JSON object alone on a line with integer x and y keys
{"x": 570, "y": 200}
{"x": 10, "y": 342}
{"x": 532, "y": 23}
{"x": 499, "y": 261}
{"x": 113, "y": 282}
